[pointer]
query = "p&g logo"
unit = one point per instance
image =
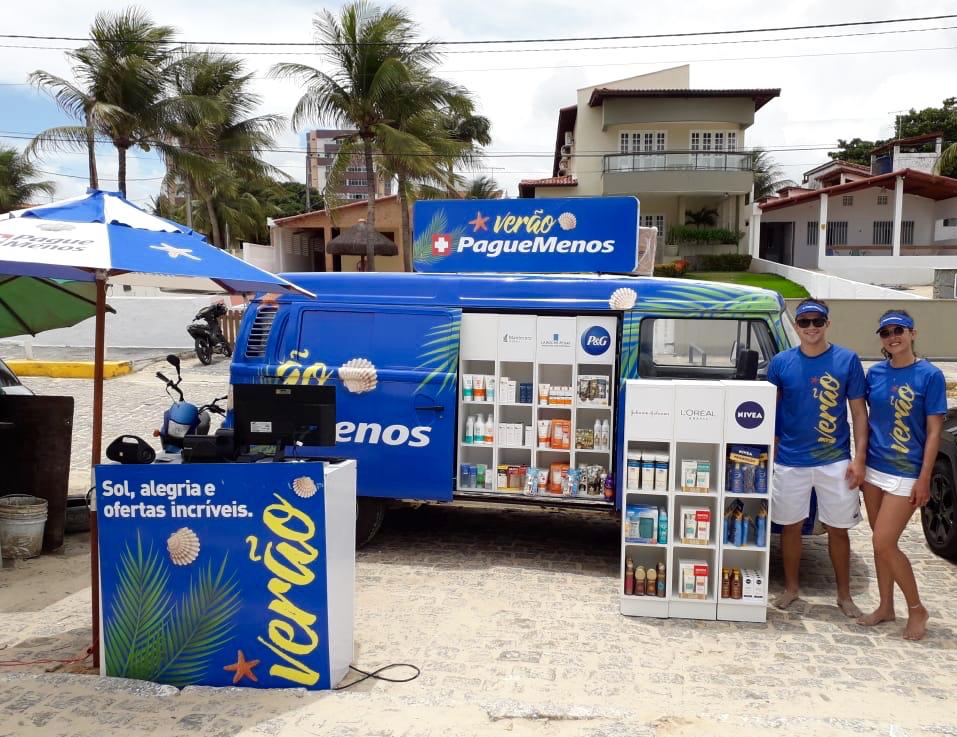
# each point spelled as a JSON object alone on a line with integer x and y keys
{"x": 749, "y": 415}
{"x": 595, "y": 340}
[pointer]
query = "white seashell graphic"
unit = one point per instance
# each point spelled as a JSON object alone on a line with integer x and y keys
{"x": 55, "y": 226}
{"x": 623, "y": 299}
{"x": 567, "y": 221}
{"x": 358, "y": 375}
{"x": 183, "y": 546}
{"x": 304, "y": 487}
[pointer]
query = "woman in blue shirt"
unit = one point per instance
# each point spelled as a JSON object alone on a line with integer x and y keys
{"x": 907, "y": 398}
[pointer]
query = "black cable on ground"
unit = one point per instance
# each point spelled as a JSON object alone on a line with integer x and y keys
{"x": 375, "y": 674}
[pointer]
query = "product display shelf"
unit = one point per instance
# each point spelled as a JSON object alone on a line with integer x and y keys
{"x": 643, "y": 554}
{"x": 747, "y": 400}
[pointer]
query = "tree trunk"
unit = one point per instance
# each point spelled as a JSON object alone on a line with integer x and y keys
{"x": 213, "y": 223}
{"x": 121, "y": 168}
{"x": 370, "y": 215}
{"x": 189, "y": 202}
{"x": 406, "y": 230}
{"x": 91, "y": 152}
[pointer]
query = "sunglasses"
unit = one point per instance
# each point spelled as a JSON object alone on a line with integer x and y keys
{"x": 806, "y": 322}
{"x": 888, "y": 332}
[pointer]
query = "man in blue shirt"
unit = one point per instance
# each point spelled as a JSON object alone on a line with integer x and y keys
{"x": 816, "y": 381}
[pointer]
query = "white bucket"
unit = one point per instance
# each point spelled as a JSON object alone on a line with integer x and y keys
{"x": 22, "y": 519}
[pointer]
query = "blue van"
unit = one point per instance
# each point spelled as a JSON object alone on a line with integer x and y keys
{"x": 422, "y": 361}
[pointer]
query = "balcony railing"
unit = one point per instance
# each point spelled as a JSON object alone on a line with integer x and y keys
{"x": 920, "y": 249}
{"x": 679, "y": 161}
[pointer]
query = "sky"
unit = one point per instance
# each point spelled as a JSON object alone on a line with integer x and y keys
{"x": 830, "y": 87}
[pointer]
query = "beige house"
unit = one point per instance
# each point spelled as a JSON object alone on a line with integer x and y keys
{"x": 676, "y": 148}
{"x": 298, "y": 243}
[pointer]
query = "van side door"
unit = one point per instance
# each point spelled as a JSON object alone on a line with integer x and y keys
{"x": 396, "y": 372}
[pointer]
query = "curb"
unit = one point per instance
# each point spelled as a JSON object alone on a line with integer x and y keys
{"x": 69, "y": 369}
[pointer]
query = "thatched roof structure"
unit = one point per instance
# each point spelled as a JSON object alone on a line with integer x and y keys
{"x": 352, "y": 242}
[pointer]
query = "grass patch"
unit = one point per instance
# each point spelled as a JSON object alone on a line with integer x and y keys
{"x": 785, "y": 287}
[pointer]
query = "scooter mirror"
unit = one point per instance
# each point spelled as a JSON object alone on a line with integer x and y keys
{"x": 173, "y": 360}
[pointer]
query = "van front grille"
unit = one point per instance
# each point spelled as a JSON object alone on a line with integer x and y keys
{"x": 259, "y": 332}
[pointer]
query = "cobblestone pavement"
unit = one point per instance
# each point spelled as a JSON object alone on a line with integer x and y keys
{"x": 512, "y": 617}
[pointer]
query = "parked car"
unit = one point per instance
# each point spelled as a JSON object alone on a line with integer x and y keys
{"x": 10, "y": 384}
{"x": 938, "y": 516}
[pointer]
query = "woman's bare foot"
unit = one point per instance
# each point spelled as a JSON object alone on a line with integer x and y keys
{"x": 849, "y": 608}
{"x": 916, "y": 623}
{"x": 785, "y": 599}
{"x": 876, "y": 617}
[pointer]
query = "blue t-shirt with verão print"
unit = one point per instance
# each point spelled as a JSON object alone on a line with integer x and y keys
{"x": 812, "y": 427}
{"x": 900, "y": 400}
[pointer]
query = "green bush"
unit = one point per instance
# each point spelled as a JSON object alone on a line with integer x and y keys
{"x": 689, "y": 235}
{"x": 674, "y": 269}
{"x": 723, "y": 262}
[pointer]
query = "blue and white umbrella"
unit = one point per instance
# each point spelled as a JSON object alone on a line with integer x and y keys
{"x": 101, "y": 232}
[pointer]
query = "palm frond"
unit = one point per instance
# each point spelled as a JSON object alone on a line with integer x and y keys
{"x": 199, "y": 625}
{"x": 138, "y": 611}
{"x": 446, "y": 339}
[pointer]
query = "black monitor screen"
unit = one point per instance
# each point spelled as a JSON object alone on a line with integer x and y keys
{"x": 281, "y": 415}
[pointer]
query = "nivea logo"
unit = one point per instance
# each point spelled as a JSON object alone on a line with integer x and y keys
{"x": 373, "y": 433}
{"x": 595, "y": 340}
{"x": 749, "y": 415}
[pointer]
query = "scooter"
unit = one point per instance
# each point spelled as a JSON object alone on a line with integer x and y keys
{"x": 208, "y": 335}
{"x": 183, "y": 418}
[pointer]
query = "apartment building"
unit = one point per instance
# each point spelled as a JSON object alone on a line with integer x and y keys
{"x": 321, "y": 149}
{"x": 677, "y": 148}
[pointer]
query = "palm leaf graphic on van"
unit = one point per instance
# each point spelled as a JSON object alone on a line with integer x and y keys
{"x": 711, "y": 297}
{"x": 629, "y": 347}
{"x": 440, "y": 353}
{"x": 422, "y": 246}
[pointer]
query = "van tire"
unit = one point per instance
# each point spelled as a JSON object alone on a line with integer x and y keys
{"x": 370, "y": 513}
{"x": 938, "y": 517}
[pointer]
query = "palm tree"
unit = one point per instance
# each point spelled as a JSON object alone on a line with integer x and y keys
{"x": 371, "y": 53}
{"x": 121, "y": 77}
{"x": 78, "y": 104}
{"x": 470, "y": 130}
{"x": 215, "y": 146}
{"x": 768, "y": 177}
{"x": 483, "y": 188}
{"x": 17, "y": 186}
{"x": 946, "y": 164}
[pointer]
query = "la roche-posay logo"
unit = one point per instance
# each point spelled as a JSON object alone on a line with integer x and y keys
{"x": 749, "y": 415}
{"x": 595, "y": 340}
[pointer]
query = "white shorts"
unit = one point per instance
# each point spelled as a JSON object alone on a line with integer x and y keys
{"x": 838, "y": 506}
{"x": 896, "y": 485}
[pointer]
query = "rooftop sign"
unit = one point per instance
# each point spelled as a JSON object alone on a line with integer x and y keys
{"x": 559, "y": 235}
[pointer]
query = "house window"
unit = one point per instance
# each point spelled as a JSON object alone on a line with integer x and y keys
{"x": 732, "y": 141}
{"x": 356, "y": 183}
{"x": 812, "y": 228}
{"x": 883, "y": 234}
{"x": 847, "y": 200}
{"x": 655, "y": 221}
{"x": 882, "y": 199}
{"x": 907, "y": 233}
{"x": 950, "y": 223}
{"x": 837, "y": 233}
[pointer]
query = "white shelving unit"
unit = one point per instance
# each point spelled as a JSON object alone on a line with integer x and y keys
{"x": 534, "y": 349}
{"x": 693, "y": 420}
{"x": 748, "y": 398}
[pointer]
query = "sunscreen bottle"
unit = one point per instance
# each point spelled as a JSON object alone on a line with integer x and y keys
{"x": 470, "y": 430}
{"x": 489, "y": 430}
{"x": 478, "y": 433}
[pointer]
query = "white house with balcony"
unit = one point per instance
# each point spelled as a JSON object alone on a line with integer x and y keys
{"x": 677, "y": 148}
{"x": 894, "y": 223}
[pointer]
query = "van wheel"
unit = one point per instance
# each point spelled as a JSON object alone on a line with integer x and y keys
{"x": 938, "y": 517}
{"x": 369, "y": 515}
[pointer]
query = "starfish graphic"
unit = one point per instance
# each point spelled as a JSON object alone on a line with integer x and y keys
{"x": 243, "y": 668}
{"x": 813, "y": 379}
{"x": 479, "y": 223}
{"x": 175, "y": 252}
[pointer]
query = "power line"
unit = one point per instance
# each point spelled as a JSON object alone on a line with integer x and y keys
{"x": 565, "y": 39}
{"x": 86, "y": 176}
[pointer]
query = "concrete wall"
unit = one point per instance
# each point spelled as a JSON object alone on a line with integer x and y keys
{"x": 827, "y": 286}
{"x": 644, "y": 111}
{"x": 139, "y": 322}
{"x": 853, "y": 322}
{"x": 264, "y": 257}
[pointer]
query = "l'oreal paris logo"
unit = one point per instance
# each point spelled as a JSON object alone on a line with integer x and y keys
{"x": 696, "y": 414}
{"x": 749, "y": 415}
{"x": 372, "y": 433}
{"x": 595, "y": 340}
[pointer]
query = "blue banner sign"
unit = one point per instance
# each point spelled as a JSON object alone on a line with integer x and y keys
{"x": 560, "y": 235}
{"x": 214, "y": 574}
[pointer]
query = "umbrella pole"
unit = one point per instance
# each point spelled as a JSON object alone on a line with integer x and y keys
{"x": 98, "y": 352}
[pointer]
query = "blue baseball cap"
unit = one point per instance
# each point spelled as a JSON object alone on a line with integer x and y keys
{"x": 895, "y": 318}
{"x": 811, "y": 306}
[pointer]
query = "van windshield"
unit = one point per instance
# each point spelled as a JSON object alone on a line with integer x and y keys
{"x": 700, "y": 347}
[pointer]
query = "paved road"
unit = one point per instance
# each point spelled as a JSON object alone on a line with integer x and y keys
{"x": 512, "y": 617}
